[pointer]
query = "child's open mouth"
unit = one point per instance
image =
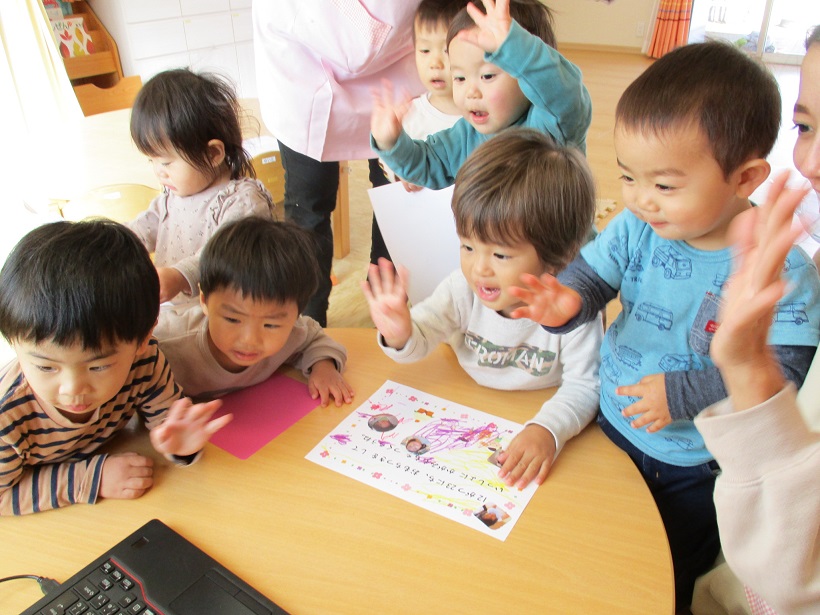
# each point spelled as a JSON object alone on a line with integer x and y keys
{"x": 488, "y": 294}
{"x": 479, "y": 117}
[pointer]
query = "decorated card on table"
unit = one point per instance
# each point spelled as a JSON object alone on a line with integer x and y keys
{"x": 430, "y": 452}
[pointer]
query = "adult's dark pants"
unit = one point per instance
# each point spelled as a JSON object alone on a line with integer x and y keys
{"x": 311, "y": 187}
{"x": 684, "y": 497}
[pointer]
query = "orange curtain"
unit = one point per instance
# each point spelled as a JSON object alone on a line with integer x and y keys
{"x": 671, "y": 27}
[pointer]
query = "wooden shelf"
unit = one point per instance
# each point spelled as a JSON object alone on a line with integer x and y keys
{"x": 97, "y": 63}
{"x": 99, "y": 74}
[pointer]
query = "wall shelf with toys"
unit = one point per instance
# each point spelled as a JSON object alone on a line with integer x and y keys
{"x": 91, "y": 58}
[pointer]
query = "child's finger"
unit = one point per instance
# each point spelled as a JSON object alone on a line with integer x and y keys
{"x": 522, "y": 293}
{"x": 179, "y": 409}
{"x": 658, "y": 425}
{"x": 509, "y": 464}
{"x": 530, "y": 281}
{"x": 546, "y": 466}
{"x": 346, "y": 392}
{"x": 637, "y": 389}
{"x": 536, "y": 471}
{"x": 374, "y": 280}
{"x": 203, "y": 412}
{"x": 366, "y": 290}
{"x": 522, "y": 312}
{"x": 641, "y": 421}
{"x": 211, "y": 427}
{"x": 386, "y": 275}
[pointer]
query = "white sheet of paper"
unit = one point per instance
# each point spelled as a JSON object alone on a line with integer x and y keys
{"x": 420, "y": 234}
{"x": 430, "y": 452}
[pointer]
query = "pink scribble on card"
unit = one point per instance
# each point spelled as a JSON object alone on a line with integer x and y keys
{"x": 260, "y": 413}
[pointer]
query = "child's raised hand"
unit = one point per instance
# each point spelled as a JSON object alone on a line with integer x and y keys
{"x": 387, "y": 299}
{"x": 529, "y": 457}
{"x": 171, "y": 283}
{"x": 761, "y": 237}
{"x": 387, "y": 115}
{"x": 126, "y": 476}
{"x": 325, "y": 381}
{"x": 492, "y": 28}
{"x": 548, "y": 301}
{"x": 187, "y": 427}
{"x": 652, "y": 407}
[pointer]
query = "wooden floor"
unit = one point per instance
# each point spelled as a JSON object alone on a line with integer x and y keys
{"x": 606, "y": 76}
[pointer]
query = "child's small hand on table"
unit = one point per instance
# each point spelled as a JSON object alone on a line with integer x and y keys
{"x": 325, "y": 381}
{"x": 548, "y": 301}
{"x": 387, "y": 115}
{"x": 387, "y": 298}
{"x": 187, "y": 427}
{"x": 171, "y": 283}
{"x": 529, "y": 457}
{"x": 126, "y": 476}
{"x": 493, "y": 27}
{"x": 652, "y": 406}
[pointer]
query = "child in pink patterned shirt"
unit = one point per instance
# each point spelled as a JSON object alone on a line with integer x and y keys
{"x": 188, "y": 125}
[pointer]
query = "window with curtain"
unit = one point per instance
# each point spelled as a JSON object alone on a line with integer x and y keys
{"x": 671, "y": 26}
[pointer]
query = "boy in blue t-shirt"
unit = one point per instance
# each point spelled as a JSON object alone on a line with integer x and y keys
{"x": 691, "y": 137}
{"x": 506, "y": 72}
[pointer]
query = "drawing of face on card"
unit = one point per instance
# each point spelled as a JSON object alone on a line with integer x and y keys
{"x": 492, "y": 516}
{"x": 416, "y": 445}
{"x": 493, "y": 459}
{"x": 382, "y": 422}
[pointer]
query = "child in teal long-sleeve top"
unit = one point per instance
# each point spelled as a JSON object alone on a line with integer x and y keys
{"x": 506, "y": 72}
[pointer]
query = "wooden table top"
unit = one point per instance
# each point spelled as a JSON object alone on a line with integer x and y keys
{"x": 314, "y": 541}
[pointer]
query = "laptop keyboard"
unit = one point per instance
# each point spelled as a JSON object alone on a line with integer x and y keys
{"x": 108, "y": 590}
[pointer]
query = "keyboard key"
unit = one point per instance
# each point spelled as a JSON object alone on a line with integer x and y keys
{"x": 87, "y": 590}
{"x": 99, "y": 600}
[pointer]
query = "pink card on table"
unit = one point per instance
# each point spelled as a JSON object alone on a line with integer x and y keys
{"x": 260, "y": 413}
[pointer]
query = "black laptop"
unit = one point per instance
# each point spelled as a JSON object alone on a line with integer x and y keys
{"x": 154, "y": 571}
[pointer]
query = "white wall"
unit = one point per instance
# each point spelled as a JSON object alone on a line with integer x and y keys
{"x": 622, "y": 23}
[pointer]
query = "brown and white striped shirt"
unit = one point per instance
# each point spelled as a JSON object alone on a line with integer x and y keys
{"x": 46, "y": 460}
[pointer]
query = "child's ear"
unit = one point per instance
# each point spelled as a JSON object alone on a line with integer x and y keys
{"x": 750, "y": 175}
{"x": 143, "y": 345}
{"x": 203, "y": 302}
{"x": 216, "y": 152}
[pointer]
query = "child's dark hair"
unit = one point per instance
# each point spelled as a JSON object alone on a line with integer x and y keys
{"x": 185, "y": 110}
{"x": 532, "y": 15}
{"x": 432, "y": 13}
{"x": 813, "y": 37}
{"x": 89, "y": 282}
{"x": 732, "y": 98}
{"x": 521, "y": 186}
{"x": 263, "y": 259}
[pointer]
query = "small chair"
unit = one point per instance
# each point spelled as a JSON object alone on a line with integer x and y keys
{"x": 118, "y": 202}
{"x": 269, "y": 170}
